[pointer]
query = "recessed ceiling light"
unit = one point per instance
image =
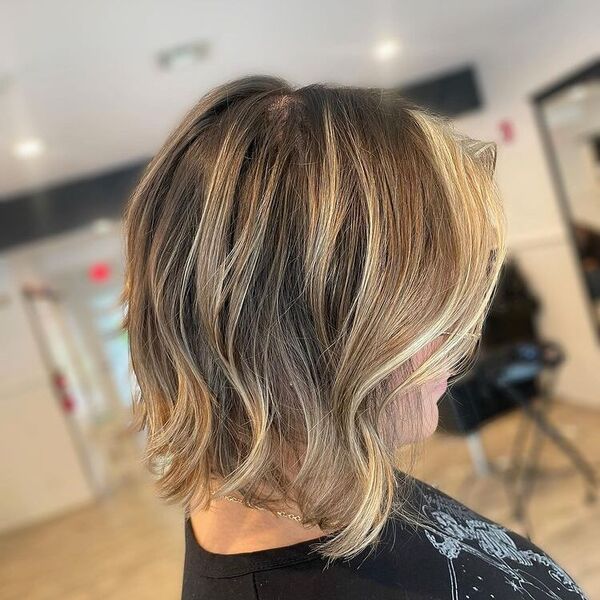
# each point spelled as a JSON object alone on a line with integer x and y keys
{"x": 29, "y": 148}
{"x": 183, "y": 56}
{"x": 387, "y": 49}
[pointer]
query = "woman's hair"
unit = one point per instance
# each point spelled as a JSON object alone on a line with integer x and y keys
{"x": 289, "y": 251}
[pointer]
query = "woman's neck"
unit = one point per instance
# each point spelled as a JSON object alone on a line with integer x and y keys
{"x": 231, "y": 528}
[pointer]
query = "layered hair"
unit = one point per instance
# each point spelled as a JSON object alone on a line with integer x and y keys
{"x": 289, "y": 251}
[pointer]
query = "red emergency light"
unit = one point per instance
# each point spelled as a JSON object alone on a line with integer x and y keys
{"x": 99, "y": 272}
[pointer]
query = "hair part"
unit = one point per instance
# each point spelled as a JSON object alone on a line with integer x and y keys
{"x": 289, "y": 251}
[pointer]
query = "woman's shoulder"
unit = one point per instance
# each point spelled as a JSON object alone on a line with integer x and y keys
{"x": 480, "y": 558}
{"x": 448, "y": 552}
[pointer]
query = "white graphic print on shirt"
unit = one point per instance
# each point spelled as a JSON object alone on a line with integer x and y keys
{"x": 453, "y": 529}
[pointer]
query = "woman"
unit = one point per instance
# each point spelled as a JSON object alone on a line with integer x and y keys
{"x": 306, "y": 268}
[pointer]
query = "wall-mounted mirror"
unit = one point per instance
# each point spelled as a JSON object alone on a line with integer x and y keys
{"x": 569, "y": 116}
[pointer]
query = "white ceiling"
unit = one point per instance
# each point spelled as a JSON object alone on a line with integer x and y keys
{"x": 82, "y": 74}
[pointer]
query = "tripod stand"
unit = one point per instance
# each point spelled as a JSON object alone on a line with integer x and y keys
{"x": 524, "y": 467}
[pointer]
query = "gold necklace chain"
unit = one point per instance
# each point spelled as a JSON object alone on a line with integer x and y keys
{"x": 280, "y": 513}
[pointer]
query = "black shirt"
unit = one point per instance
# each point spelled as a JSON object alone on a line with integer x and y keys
{"x": 456, "y": 555}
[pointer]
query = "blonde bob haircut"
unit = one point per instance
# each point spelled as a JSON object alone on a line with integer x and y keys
{"x": 289, "y": 251}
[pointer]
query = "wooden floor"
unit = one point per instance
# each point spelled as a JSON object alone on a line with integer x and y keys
{"x": 130, "y": 546}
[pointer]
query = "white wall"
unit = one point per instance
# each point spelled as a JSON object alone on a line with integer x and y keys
{"x": 563, "y": 39}
{"x": 40, "y": 471}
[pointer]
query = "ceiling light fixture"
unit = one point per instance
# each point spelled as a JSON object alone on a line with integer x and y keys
{"x": 29, "y": 148}
{"x": 183, "y": 56}
{"x": 387, "y": 49}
